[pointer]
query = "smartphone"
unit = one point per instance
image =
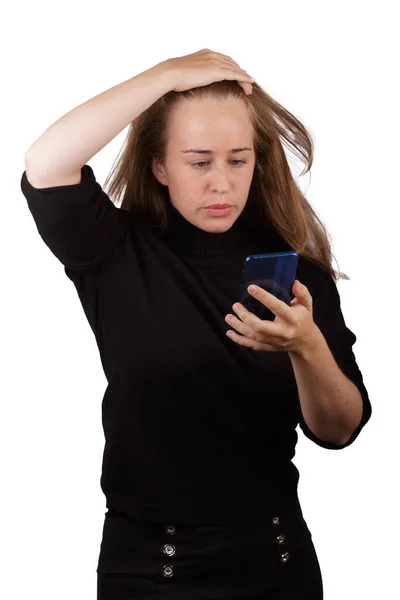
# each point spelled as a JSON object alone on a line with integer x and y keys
{"x": 274, "y": 272}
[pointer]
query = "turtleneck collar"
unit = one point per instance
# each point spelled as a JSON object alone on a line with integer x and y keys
{"x": 186, "y": 238}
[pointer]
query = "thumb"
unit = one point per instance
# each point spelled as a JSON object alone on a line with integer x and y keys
{"x": 302, "y": 295}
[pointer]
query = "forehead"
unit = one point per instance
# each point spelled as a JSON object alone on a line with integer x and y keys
{"x": 209, "y": 123}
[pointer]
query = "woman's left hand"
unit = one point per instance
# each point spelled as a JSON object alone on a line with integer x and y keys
{"x": 292, "y": 329}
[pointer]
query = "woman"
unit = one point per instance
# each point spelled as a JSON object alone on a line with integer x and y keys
{"x": 200, "y": 409}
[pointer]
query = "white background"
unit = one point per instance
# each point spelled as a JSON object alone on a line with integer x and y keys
{"x": 335, "y": 66}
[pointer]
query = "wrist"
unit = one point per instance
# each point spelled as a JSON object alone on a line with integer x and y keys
{"x": 311, "y": 344}
{"x": 165, "y": 71}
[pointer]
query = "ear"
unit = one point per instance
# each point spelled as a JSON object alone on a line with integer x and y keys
{"x": 159, "y": 171}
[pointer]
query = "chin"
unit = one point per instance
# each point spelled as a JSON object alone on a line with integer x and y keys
{"x": 218, "y": 224}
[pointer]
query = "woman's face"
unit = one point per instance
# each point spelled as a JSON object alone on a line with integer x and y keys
{"x": 197, "y": 179}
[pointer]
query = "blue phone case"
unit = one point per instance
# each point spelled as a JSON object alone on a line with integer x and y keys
{"x": 274, "y": 272}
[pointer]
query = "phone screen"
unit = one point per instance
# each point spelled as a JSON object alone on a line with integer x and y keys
{"x": 274, "y": 272}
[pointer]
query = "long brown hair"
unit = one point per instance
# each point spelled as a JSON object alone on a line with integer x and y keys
{"x": 274, "y": 197}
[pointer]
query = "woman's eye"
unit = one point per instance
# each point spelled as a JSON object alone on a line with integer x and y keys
{"x": 205, "y": 161}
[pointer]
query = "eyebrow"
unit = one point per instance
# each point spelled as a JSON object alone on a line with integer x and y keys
{"x": 200, "y": 151}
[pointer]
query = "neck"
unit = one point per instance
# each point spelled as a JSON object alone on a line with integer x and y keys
{"x": 189, "y": 239}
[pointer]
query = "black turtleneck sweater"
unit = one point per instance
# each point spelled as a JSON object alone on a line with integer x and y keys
{"x": 198, "y": 429}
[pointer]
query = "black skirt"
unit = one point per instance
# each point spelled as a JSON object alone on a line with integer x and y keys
{"x": 272, "y": 559}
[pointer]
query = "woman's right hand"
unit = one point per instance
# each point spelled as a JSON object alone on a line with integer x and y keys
{"x": 202, "y": 68}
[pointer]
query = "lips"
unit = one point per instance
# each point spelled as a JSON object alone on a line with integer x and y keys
{"x": 219, "y": 206}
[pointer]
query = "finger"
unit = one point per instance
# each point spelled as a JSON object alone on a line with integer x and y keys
{"x": 248, "y": 88}
{"x": 234, "y": 63}
{"x": 250, "y": 343}
{"x": 237, "y": 74}
{"x": 276, "y": 306}
{"x": 251, "y": 326}
{"x": 228, "y": 59}
{"x": 266, "y": 328}
{"x": 242, "y": 327}
{"x": 231, "y": 64}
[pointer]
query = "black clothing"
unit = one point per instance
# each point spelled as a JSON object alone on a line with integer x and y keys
{"x": 198, "y": 429}
{"x": 274, "y": 558}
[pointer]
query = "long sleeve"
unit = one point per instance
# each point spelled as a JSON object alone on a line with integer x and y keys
{"x": 329, "y": 318}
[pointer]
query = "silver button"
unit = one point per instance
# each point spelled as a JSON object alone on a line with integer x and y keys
{"x": 280, "y": 540}
{"x": 171, "y": 529}
{"x": 275, "y": 521}
{"x": 169, "y": 550}
{"x": 285, "y": 557}
{"x": 167, "y": 571}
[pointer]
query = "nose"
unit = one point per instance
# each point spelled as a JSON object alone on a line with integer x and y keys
{"x": 220, "y": 179}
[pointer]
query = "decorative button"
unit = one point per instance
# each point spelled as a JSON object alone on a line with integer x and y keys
{"x": 275, "y": 521}
{"x": 171, "y": 529}
{"x": 280, "y": 540}
{"x": 168, "y": 571}
{"x": 169, "y": 550}
{"x": 285, "y": 557}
